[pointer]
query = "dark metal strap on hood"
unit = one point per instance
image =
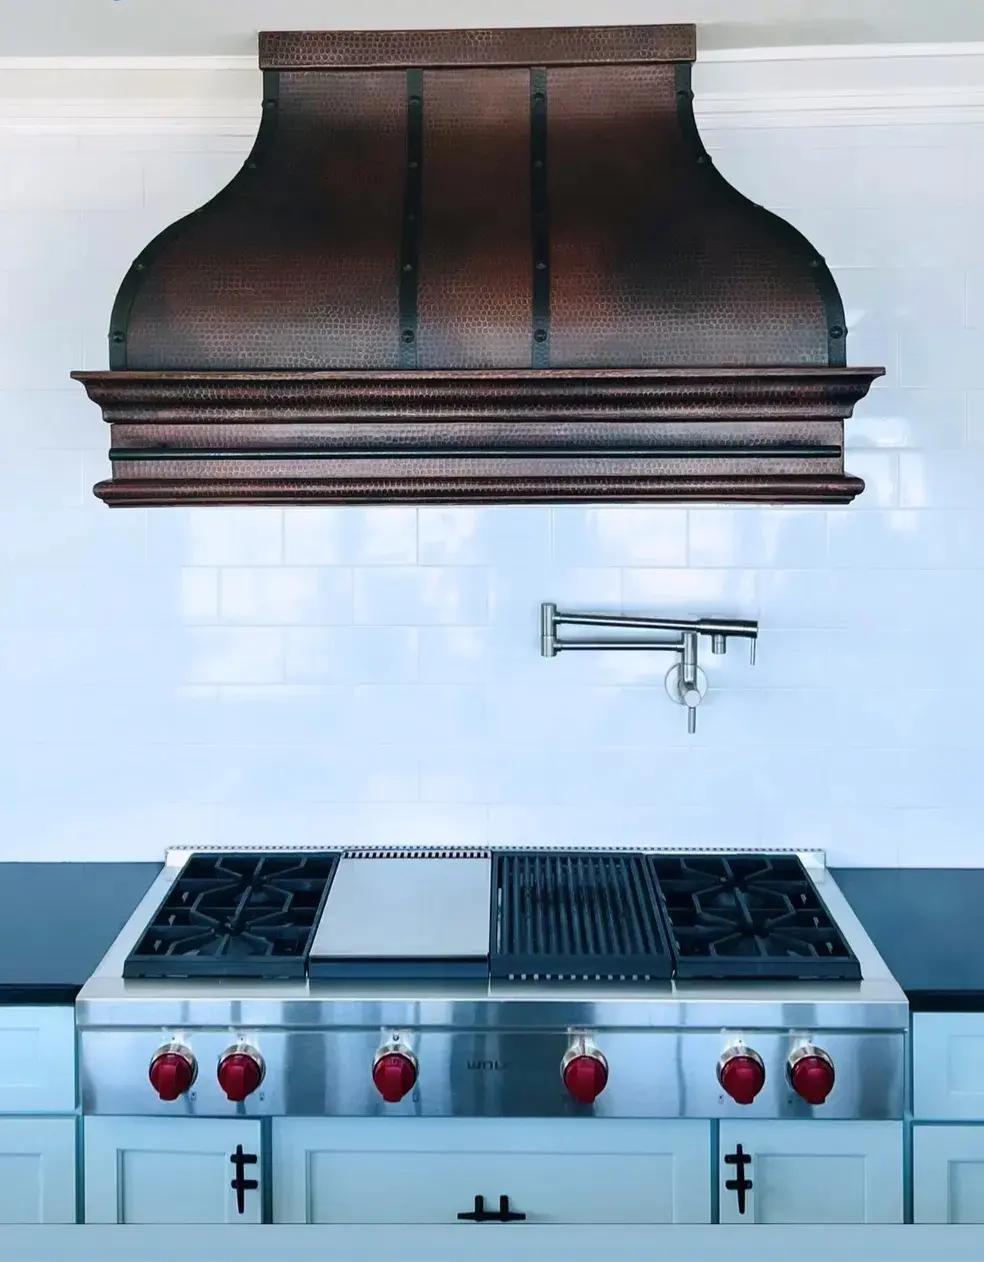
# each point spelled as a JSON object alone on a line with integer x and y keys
{"x": 412, "y": 200}
{"x": 539, "y": 214}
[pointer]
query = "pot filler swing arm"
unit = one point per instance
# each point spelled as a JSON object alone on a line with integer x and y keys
{"x": 686, "y": 683}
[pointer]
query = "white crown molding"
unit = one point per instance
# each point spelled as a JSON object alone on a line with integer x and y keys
{"x": 836, "y": 52}
{"x": 209, "y": 64}
{"x": 729, "y": 56}
{"x": 887, "y": 85}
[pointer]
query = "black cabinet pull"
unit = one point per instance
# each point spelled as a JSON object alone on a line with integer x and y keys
{"x": 241, "y": 1185}
{"x": 739, "y": 1185}
{"x": 482, "y": 1215}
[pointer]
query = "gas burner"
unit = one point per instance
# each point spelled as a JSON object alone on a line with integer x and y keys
{"x": 236, "y": 916}
{"x": 756, "y": 917}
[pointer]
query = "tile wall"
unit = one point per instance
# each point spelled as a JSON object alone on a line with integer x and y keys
{"x": 372, "y": 675}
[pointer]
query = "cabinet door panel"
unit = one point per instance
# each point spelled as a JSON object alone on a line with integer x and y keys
{"x": 428, "y": 1170}
{"x": 813, "y": 1172}
{"x": 37, "y": 1170}
{"x": 37, "y": 1060}
{"x": 948, "y": 1174}
{"x": 169, "y": 1170}
{"x": 947, "y": 1052}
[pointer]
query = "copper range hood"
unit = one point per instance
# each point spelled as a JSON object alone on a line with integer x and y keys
{"x": 478, "y": 266}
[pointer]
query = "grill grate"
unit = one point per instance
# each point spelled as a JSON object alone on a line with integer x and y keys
{"x": 576, "y": 916}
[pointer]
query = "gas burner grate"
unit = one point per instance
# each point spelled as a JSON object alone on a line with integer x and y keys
{"x": 749, "y": 917}
{"x": 576, "y": 916}
{"x": 236, "y": 916}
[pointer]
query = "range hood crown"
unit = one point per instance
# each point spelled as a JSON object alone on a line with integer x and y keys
{"x": 478, "y": 266}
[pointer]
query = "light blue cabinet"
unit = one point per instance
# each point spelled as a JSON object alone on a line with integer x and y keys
{"x": 428, "y": 1170}
{"x": 171, "y": 1170}
{"x": 811, "y": 1172}
{"x": 948, "y": 1174}
{"x": 37, "y": 1060}
{"x": 37, "y": 1170}
{"x": 947, "y": 1054}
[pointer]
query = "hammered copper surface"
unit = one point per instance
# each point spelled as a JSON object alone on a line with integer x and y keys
{"x": 213, "y": 438}
{"x": 545, "y": 46}
{"x": 275, "y": 318}
{"x": 394, "y": 490}
{"x": 297, "y": 265}
{"x": 474, "y": 297}
{"x": 652, "y": 262}
{"x": 710, "y": 392}
{"x": 616, "y": 433}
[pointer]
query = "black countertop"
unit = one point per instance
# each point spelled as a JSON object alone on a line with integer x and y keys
{"x": 57, "y": 920}
{"x": 926, "y": 923}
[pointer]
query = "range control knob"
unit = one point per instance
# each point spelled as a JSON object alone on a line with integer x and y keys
{"x": 811, "y": 1074}
{"x": 394, "y": 1073}
{"x": 240, "y": 1072}
{"x": 585, "y": 1073}
{"x": 741, "y": 1074}
{"x": 172, "y": 1071}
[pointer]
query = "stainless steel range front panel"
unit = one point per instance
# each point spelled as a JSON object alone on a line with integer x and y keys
{"x": 475, "y": 1072}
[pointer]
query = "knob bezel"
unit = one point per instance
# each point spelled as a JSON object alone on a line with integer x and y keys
{"x": 241, "y": 1049}
{"x": 174, "y": 1048}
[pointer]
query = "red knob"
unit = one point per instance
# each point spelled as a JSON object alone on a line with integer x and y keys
{"x": 171, "y": 1074}
{"x": 585, "y": 1077}
{"x": 812, "y": 1078}
{"x": 742, "y": 1077}
{"x": 394, "y": 1075}
{"x": 239, "y": 1074}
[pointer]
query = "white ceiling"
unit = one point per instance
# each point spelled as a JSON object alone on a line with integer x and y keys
{"x": 161, "y": 28}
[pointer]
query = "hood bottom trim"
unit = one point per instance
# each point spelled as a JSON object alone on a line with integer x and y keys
{"x": 758, "y": 488}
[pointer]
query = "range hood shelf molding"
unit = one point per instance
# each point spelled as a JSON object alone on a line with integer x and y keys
{"x": 478, "y": 266}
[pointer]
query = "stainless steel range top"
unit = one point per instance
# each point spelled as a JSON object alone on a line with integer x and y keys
{"x": 460, "y": 1045}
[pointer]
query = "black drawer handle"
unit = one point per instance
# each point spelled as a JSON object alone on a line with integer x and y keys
{"x": 482, "y": 1215}
{"x": 740, "y": 1185}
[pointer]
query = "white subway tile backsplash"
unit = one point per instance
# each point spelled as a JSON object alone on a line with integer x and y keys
{"x": 620, "y": 536}
{"x": 880, "y": 472}
{"x": 690, "y": 593}
{"x": 283, "y": 714}
{"x": 339, "y": 655}
{"x": 268, "y": 775}
{"x": 907, "y": 418}
{"x": 391, "y": 596}
{"x": 233, "y": 655}
{"x": 424, "y": 714}
{"x": 50, "y": 420}
{"x": 37, "y": 358}
{"x": 41, "y": 240}
{"x": 483, "y": 536}
{"x": 350, "y": 536}
{"x": 907, "y": 538}
{"x": 941, "y": 358}
{"x": 748, "y": 537}
{"x": 215, "y": 536}
{"x": 86, "y": 536}
{"x": 953, "y": 478}
{"x": 367, "y": 675}
{"x": 286, "y": 596}
{"x": 106, "y": 181}
{"x": 62, "y": 596}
